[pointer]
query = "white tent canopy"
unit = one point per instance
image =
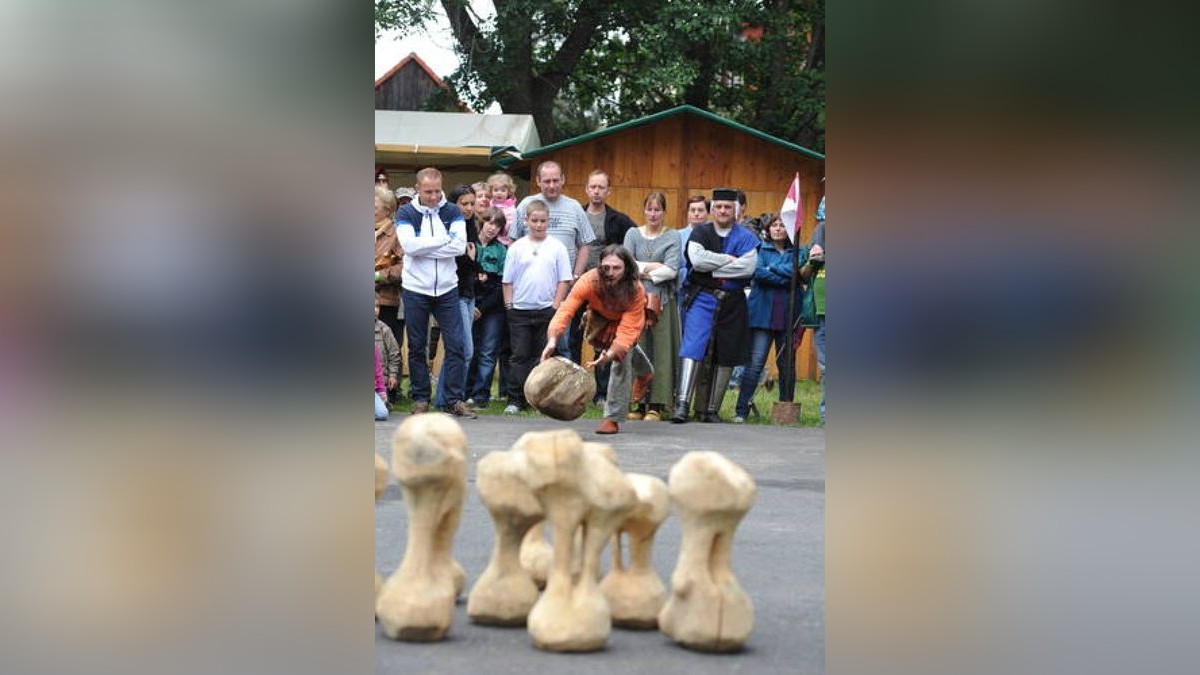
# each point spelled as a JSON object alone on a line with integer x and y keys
{"x": 408, "y": 138}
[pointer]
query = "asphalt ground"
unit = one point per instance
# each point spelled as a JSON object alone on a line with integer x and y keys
{"x": 778, "y": 556}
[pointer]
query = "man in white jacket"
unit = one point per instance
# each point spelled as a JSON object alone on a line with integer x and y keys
{"x": 432, "y": 233}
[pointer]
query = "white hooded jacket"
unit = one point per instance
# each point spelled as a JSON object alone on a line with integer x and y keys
{"x": 429, "y": 267}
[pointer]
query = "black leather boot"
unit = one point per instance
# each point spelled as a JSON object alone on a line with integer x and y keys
{"x": 680, "y": 415}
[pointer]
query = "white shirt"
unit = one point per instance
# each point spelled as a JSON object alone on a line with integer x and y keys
{"x": 535, "y": 268}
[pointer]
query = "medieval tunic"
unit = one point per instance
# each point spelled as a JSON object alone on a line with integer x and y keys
{"x": 715, "y": 300}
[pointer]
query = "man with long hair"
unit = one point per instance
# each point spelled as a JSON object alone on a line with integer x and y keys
{"x": 616, "y": 304}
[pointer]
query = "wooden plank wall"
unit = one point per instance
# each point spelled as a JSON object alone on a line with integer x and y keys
{"x": 685, "y": 155}
{"x": 407, "y": 89}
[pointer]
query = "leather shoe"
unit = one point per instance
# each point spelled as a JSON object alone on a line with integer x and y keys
{"x": 460, "y": 409}
{"x": 607, "y": 426}
{"x": 680, "y": 414}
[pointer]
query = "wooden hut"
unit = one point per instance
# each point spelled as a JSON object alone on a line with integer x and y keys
{"x": 408, "y": 86}
{"x": 688, "y": 151}
{"x": 680, "y": 152}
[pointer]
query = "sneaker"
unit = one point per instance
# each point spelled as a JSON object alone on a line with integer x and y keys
{"x": 471, "y": 402}
{"x": 636, "y": 415}
{"x": 739, "y": 420}
{"x": 461, "y": 409}
{"x": 511, "y": 409}
{"x": 420, "y": 407}
{"x": 653, "y": 416}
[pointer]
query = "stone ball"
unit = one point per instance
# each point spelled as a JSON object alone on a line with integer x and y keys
{"x": 560, "y": 388}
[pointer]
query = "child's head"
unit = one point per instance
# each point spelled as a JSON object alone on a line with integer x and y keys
{"x": 493, "y": 222}
{"x": 537, "y": 217}
{"x": 483, "y": 196}
{"x": 501, "y": 186}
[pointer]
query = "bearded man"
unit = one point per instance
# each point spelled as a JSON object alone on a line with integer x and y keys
{"x": 616, "y": 305}
{"x": 720, "y": 257}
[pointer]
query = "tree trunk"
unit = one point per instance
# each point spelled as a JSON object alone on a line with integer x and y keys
{"x": 543, "y": 115}
{"x": 699, "y": 91}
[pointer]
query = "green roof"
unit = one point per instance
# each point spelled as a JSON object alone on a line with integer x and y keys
{"x": 650, "y": 119}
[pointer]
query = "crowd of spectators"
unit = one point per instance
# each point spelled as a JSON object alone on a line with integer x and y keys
{"x": 501, "y": 281}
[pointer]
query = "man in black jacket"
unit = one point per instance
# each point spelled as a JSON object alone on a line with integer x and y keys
{"x": 609, "y": 225}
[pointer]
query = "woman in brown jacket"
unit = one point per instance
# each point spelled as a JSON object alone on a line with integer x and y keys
{"x": 389, "y": 264}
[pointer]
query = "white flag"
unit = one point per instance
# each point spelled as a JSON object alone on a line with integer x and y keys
{"x": 790, "y": 212}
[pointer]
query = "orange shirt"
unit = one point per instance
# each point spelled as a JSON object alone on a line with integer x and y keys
{"x": 632, "y": 320}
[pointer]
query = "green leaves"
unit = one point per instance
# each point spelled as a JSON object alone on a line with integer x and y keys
{"x": 759, "y": 62}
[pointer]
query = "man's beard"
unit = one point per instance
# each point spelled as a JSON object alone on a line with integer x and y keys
{"x": 617, "y": 293}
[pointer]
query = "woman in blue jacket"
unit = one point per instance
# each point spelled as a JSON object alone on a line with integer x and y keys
{"x": 768, "y": 308}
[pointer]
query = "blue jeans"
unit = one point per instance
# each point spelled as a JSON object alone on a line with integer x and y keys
{"x": 445, "y": 308}
{"x": 563, "y": 346}
{"x": 466, "y": 308}
{"x": 760, "y": 344}
{"x": 819, "y": 343}
{"x": 488, "y": 330}
{"x": 381, "y": 411}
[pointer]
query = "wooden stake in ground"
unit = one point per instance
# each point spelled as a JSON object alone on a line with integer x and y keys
{"x": 707, "y": 609}
{"x": 634, "y": 592}
{"x": 505, "y": 592}
{"x": 428, "y": 461}
{"x": 581, "y": 490}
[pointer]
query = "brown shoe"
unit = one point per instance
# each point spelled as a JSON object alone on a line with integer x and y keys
{"x": 607, "y": 426}
{"x": 641, "y": 385}
{"x": 461, "y": 409}
{"x": 420, "y": 407}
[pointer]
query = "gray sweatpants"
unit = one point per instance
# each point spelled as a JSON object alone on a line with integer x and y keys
{"x": 620, "y": 383}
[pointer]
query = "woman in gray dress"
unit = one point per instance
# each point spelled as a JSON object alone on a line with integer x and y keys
{"x": 656, "y": 249}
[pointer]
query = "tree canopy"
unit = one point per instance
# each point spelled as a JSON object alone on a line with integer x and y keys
{"x": 577, "y": 64}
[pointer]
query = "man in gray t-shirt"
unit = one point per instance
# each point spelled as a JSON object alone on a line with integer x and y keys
{"x": 568, "y": 223}
{"x": 596, "y": 220}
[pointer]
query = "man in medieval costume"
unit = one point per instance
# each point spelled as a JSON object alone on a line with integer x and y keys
{"x": 721, "y": 257}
